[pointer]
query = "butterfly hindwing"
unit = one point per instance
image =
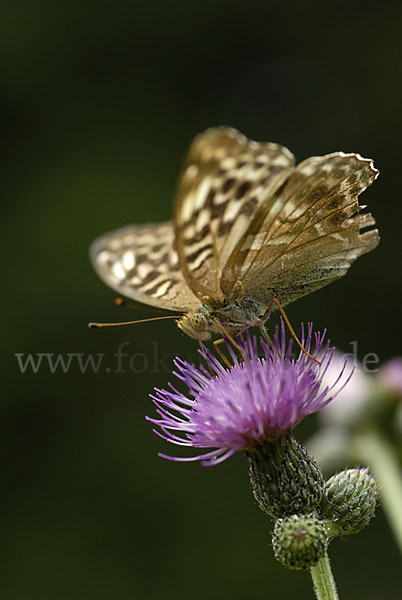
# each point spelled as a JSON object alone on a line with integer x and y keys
{"x": 141, "y": 263}
{"x": 310, "y": 232}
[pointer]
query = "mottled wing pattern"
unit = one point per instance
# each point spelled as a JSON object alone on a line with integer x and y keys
{"x": 225, "y": 181}
{"x": 140, "y": 262}
{"x": 309, "y": 234}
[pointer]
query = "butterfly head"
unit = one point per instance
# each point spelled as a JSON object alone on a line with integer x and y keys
{"x": 195, "y": 325}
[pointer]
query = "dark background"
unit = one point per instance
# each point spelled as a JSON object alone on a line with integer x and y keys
{"x": 97, "y": 108}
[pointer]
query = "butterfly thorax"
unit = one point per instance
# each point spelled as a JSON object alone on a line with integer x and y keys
{"x": 231, "y": 317}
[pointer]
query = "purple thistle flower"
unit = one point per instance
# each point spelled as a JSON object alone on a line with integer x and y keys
{"x": 230, "y": 410}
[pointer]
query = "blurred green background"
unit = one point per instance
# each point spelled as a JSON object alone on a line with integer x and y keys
{"x": 97, "y": 108}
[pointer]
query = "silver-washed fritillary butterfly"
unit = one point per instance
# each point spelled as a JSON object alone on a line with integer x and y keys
{"x": 249, "y": 228}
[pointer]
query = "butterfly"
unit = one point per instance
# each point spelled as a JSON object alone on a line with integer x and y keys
{"x": 250, "y": 229}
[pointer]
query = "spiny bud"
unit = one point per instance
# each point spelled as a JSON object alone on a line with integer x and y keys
{"x": 350, "y": 499}
{"x": 299, "y": 541}
{"x": 285, "y": 479}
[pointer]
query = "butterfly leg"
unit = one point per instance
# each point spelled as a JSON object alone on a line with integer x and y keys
{"x": 219, "y": 351}
{"x": 231, "y": 339}
{"x": 265, "y": 335}
{"x": 241, "y": 286}
{"x": 275, "y": 302}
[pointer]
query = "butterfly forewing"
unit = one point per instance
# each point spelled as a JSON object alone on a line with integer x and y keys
{"x": 141, "y": 263}
{"x": 310, "y": 232}
{"x": 225, "y": 181}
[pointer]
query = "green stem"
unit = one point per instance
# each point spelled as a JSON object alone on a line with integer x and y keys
{"x": 323, "y": 580}
{"x": 372, "y": 448}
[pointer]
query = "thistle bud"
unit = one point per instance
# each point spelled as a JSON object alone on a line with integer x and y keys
{"x": 299, "y": 541}
{"x": 285, "y": 479}
{"x": 350, "y": 500}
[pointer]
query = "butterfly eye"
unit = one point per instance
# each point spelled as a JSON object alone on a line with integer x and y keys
{"x": 198, "y": 322}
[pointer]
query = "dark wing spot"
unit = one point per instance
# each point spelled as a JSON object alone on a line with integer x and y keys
{"x": 224, "y": 227}
{"x": 243, "y": 189}
{"x": 150, "y": 277}
{"x": 141, "y": 258}
{"x": 304, "y": 191}
{"x": 241, "y": 164}
{"x": 229, "y": 183}
{"x": 249, "y": 207}
{"x": 192, "y": 220}
{"x": 210, "y": 198}
{"x": 273, "y": 170}
{"x": 339, "y": 172}
{"x": 157, "y": 287}
{"x": 258, "y": 165}
{"x": 200, "y": 235}
{"x": 281, "y": 190}
{"x": 337, "y": 218}
{"x": 192, "y": 257}
{"x": 218, "y": 210}
{"x": 320, "y": 192}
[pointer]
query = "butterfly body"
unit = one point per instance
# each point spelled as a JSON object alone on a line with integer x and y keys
{"x": 249, "y": 227}
{"x": 231, "y": 317}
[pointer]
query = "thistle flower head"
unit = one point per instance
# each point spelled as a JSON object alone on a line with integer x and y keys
{"x": 226, "y": 410}
{"x": 350, "y": 499}
{"x": 299, "y": 541}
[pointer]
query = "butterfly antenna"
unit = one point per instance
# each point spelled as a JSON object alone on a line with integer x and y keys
{"x": 98, "y": 325}
{"x": 292, "y": 331}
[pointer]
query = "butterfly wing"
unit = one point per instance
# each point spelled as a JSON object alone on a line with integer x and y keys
{"x": 140, "y": 262}
{"x": 308, "y": 234}
{"x": 225, "y": 180}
